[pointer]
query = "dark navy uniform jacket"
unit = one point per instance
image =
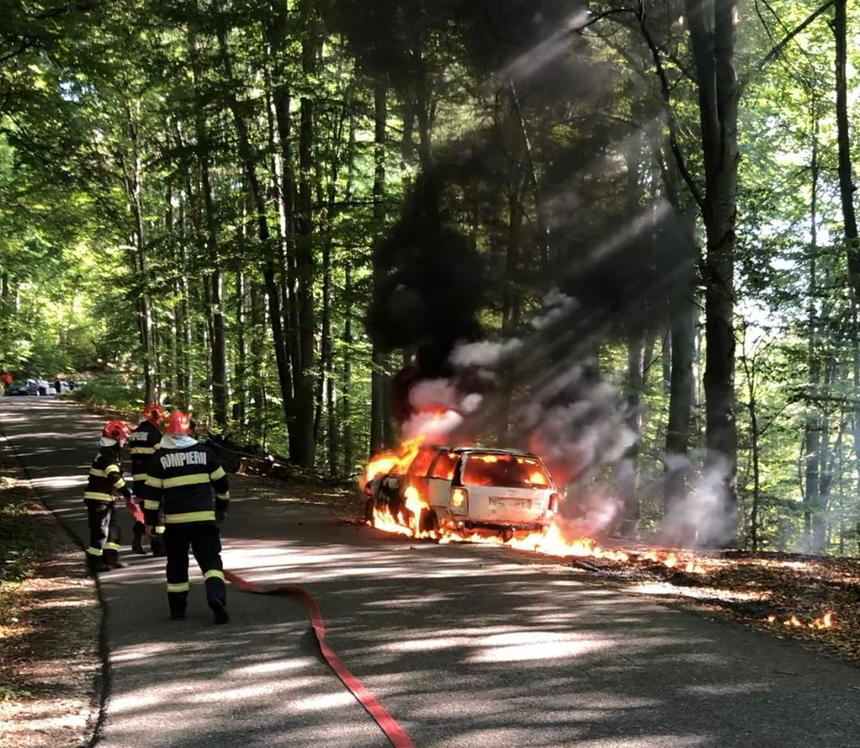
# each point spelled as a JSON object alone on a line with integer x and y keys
{"x": 105, "y": 479}
{"x": 142, "y": 443}
{"x": 188, "y": 483}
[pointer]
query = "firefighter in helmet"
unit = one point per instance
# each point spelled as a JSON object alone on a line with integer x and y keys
{"x": 185, "y": 481}
{"x": 142, "y": 443}
{"x": 105, "y": 482}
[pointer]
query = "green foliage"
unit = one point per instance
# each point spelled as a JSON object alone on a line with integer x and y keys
{"x": 104, "y": 394}
{"x": 112, "y": 119}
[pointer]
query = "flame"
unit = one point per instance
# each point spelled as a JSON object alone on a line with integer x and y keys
{"x": 383, "y": 520}
{"x": 384, "y": 462}
{"x": 827, "y": 621}
{"x": 549, "y": 541}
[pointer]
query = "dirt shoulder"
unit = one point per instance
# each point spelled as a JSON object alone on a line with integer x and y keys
{"x": 814, "y": 600}
{"x": 49, "y": 623}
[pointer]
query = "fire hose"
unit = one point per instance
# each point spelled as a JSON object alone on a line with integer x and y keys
{"x": 390, "y": 726}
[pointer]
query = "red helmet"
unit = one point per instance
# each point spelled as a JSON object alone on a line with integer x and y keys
{"x": 178, "y": 423}
{"x": 117, "y": 430}
{"x": 153, "y": 413}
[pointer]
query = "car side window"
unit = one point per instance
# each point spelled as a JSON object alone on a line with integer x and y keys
{"x": 419, "y": 465}
{"x": 444, "y": 466}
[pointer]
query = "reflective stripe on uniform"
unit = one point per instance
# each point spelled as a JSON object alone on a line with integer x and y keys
{"x": 216, "y": 474}
{"x": 213, "y": 574}
{"x": 143, "y": 450}
{"x": 154, "y": 482}
{"x": 138, "y": 476}
{"x": 224, "y": 496}
{"x": 93, "y": 551}
{"x": 159, "y": 529}
{"x": 111, "y": 469}
{"x": 150, "y": 504}
{"x": 110, "y": 546}
{"x": 174, "y": 519}
{"x": 178, "y": 587}
{"x": 98, "y": 496}
{"x": 119, "y": 483}
{"x": 185, "y": 480}
{"x": 97, "y": 473}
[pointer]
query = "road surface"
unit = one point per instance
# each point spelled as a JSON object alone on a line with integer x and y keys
{"x": 464, "y": 645}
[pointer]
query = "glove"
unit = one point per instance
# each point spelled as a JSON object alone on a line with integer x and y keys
{"x": 220, "y": 514}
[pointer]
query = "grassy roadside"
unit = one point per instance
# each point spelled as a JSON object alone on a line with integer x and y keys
{"x": 49, "y": 623}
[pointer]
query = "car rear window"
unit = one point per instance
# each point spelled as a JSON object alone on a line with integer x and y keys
{"x": 505, "y": 471}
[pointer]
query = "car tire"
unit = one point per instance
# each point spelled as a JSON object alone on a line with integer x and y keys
{"x": 369, "y": 506}
{"x": 429, "y": 521}
{"x": 506, "y": 534}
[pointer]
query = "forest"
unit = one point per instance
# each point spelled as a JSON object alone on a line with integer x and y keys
{"x": 620, "y": 234}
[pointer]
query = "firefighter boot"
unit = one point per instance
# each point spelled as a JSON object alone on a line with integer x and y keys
{"x": 111, "y": 556}
{"x": 96, "y": 565}
{"x": 216, "y": 594}
{"x": 220, "y": 611}
{"x": 156, "y": 543}
{"x": 178, "y": 601}
{"x": 137, "y": 541}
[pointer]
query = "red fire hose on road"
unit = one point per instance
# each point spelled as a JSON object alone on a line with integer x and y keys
{"x": 390, "y": 726}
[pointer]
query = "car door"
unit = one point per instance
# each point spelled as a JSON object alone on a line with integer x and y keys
{"x": 439, "y": 478}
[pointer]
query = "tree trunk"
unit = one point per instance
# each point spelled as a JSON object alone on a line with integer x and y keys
{"x": 134, "y": 182}
{"x": 378, "y": 378}
{"x": 681, "y": 387}
{"x": 346, "y": 385}
{"x": 628, "y": 476}
{"x": 277, "y": 34}
{"x": 825, "y": 477}
{"x": 303, "y": 445}
{"x": 258, "y": 361}
{"x": 240, "y": 371}
{"x": 712, "y": 36}
{"x": 215, "y": 291}
{"x": 812, "y": 427}
{"x": 846, "y": 179}
{"x": 248, "y": 160}
{"x": 847, "y": 189}
{"x": 346, "y": 399}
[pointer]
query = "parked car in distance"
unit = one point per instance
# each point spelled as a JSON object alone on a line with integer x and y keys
{"x": 17, "y": 389}
{"x": 471, "y": 488}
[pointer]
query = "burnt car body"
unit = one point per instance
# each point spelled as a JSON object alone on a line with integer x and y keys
{"x": 469, "y": 488}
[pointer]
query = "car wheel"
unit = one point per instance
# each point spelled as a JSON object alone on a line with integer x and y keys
{"x": 429, "y": 521}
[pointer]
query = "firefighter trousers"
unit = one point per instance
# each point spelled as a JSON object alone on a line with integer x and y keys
{"x": 102, "y": 518}
{"x": 156, "y": 542}
{"x": 203, "y": 538}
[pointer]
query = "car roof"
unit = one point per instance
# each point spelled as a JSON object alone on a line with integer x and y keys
{"x": 493, "y": 451}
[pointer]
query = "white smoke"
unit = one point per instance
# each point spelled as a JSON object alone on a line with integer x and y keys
{"x": 439, "y": 407}
{"x": 578, "y": 426}
{"x": 590, "y": 510}
{"x": 484, "y": 353}
{"x": 705, "y": 516}
{"x": 434, "y": 427}
{"x": 556, "y": 306}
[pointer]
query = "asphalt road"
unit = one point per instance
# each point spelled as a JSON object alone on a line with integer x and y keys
{"x": 464, "y": 645}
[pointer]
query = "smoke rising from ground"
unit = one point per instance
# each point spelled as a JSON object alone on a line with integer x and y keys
{"x": 704, "y": 516}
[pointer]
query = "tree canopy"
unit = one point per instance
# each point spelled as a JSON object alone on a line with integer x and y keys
{"x": 284, "y": 214}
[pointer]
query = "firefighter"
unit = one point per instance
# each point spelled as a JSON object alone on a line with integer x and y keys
{"x": 142, "y": 443}
{"x": 181, "y": 478}
{"x": 104, "y": 483}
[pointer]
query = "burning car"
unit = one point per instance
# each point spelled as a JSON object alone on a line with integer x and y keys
{"x": 435, "y": 487}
